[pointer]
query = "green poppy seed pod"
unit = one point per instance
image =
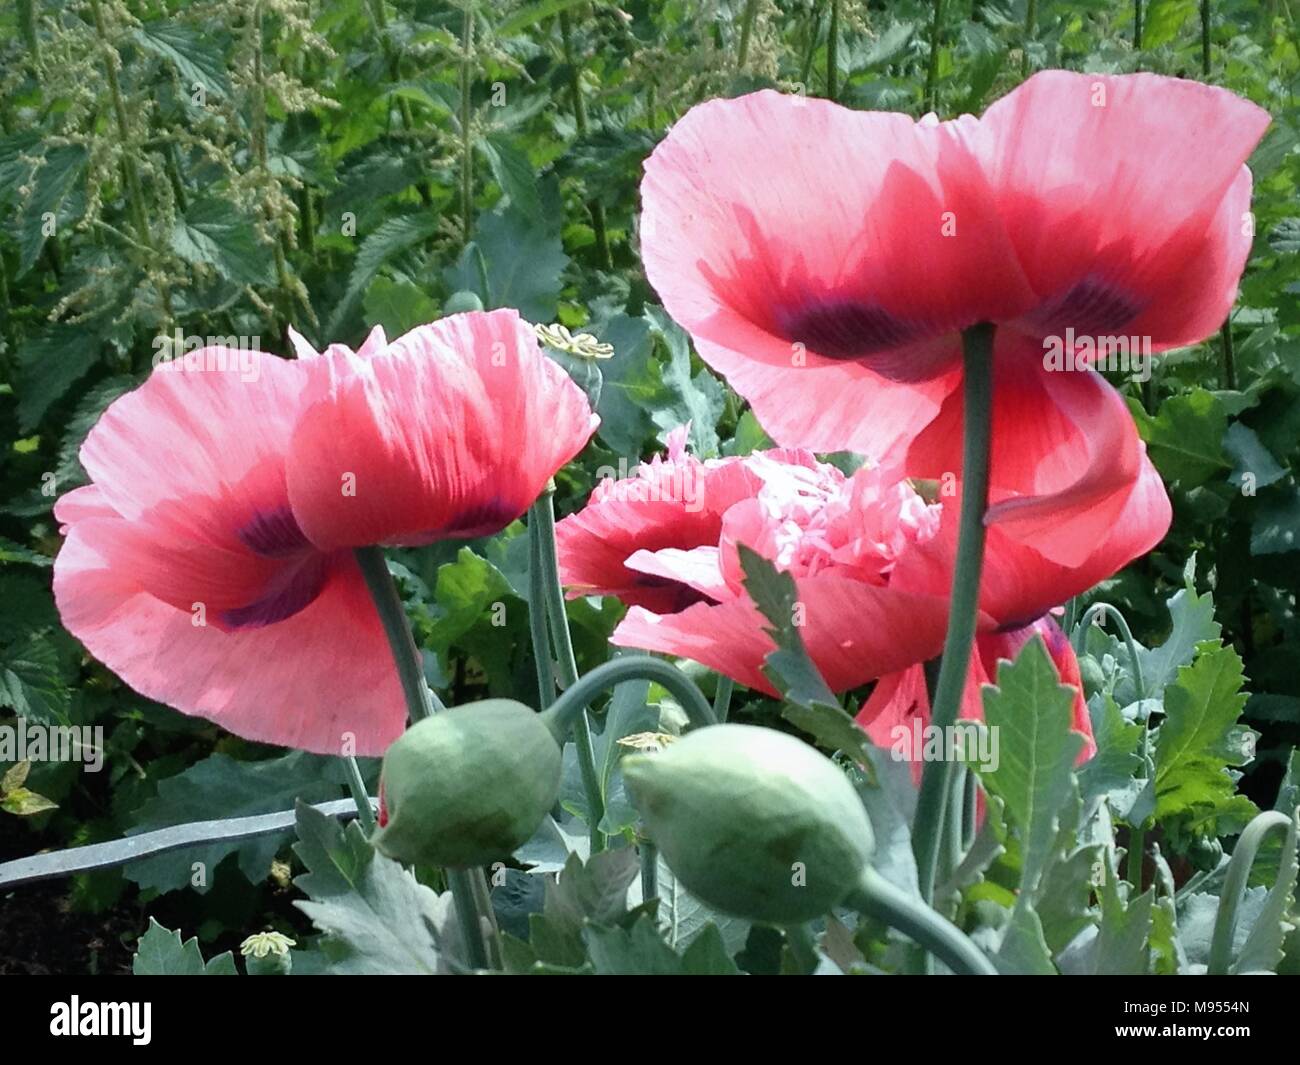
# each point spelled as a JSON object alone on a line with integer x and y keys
{"x": 468, "y": 785}
{"x": 753, "y": 822}
{"x": 1092, "y": 675}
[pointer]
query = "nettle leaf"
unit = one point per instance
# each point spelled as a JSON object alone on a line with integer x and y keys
{"x": 211, "y": 233}
{"x": 1284, "y": 237}
{"x": 378, "y": 919}
{"x": 49, "y": 364}
{"x": 221, "y": 787}
{"x": 1031, "y": 709}
{"x": 160, "y": 952}
{"x": 52, "y": 183}
{"x": 1186, "y": 436}
{"x": 69, "y": 472}
{"x": 1200, "y": 739}
{"x": 194, "y": 55}
{"x": 394, "y": 235}
{"x": 31, "y": 682}
{"x": 515, "y": 174}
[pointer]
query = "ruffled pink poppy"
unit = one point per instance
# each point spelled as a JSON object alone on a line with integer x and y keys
{"x": 209, "y": 563}
{"x": 826, "y": 260}
{"x": 872, "y": 561}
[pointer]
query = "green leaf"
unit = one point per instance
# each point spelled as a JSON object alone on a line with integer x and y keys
{"x": 395, "y": 234}
{"x": 399, "y": 306}
{"x": 31, "y": 682}
{"x": 532, "y": 14}
{"x": 1250, "y": 458}
{"x": 1200, "y": 738}
{"x": 195, "y": 56}
{"x": 515, "y": 174}
{"x": 1186, "y": 436}
{"x": 788, "y": 667}
{"x": 1276, "y": 528}
{"x": 1193, "y": 624}
{"x": 211, "y": 234}
{"x": 1110, "y": 772}
{"x": 52, "y": 182}
{"x": 698, "y": 400}
{"x": 1031, "y": 711}
{"x": 522, "y": 265}
{"x": 48, "y": 365}
{"x": 161, "y": 953}
{"x": 378, "y": 919}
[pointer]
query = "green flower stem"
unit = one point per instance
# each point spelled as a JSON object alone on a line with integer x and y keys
{"x": 365, "y": 812}
{"x": 722, "y": 697}
{"x": 597, "y": 209}
{"x": 1205, "y": 38}
{"x": 954, "y": 823}
{"x": 832, "y": 42}
{"x": 932, "y": 70}
{"x": 963, "y": 608}
{"x": 420, "y": 703}
{"x": 569, "y": 706}
{"x": 1031, "y": 17}
{"x": 483, "y": 900}
{"x": 649, "y": 855}
{"x": 1234, "y": 884}
{"x": 1137, "y": 834}
{"x": 746, "y": 32}
{"x": 466, "y": 124}
{"x": 1137, "y": 25}
{"x": 1229, "y": 356}
{"x": 877, "y": 897}
{"x": 542, "y": 516}
{"x": 537, "y": 619}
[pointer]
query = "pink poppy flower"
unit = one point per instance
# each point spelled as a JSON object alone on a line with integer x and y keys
{"x": 826, "y": 260}
{"x": 871, "y": 558}
{"x": 210, "y": 564}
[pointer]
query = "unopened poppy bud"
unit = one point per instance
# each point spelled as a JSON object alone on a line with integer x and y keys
{"x": 753, "y": 822}
{"x": 468, "y": 785}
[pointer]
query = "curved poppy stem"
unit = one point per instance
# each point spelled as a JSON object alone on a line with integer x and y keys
{"x": 569, "y": 706}
{"x": 1234, "y": 884}
{"x": 877, "y": 897}
{"x": 722, "y": 697}
{"x": 963, "y": 607}
{"x": 365, "y": 812}
{"x": 420, "y": 703}
{"x": 542, "y": 516}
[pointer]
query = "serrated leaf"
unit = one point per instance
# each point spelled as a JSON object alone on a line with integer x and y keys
{"x": 196, "y": 58}
{"x": 49, "y": 364}
{"x": 1034, "y": 777}
{"x": 522, "y": 264}
{"x": 378, "y": 918}
{"x": 1185, "y": 437}
{"x": 160, "y": 952}
{"x": 399, "y": 306}
{"x": 52, "y": 184}
{"x": 515, "y": 174}
{"x": 395, "y": 234}
{"x": 1193, "y": 624}
{"x": 697, "y": 399}
{"x": 31, "y": 682}
{"x": 788, "y": 667}
{"x": 211, "y": 233}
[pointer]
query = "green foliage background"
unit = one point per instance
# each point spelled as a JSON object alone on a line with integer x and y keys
{"x": 232, "y": 167}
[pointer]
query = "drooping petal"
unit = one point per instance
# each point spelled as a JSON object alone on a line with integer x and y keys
{"x": 320, "y": 680}
{"x": 845, "y": 266}
{"x": 1065, "y": 455}
{"x": 1126, "y": 199}
{"x": 451, "y": 432}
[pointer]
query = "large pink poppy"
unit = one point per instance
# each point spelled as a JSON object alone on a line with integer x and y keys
{"x": 210, "y": 564}
{"x": 826, "y": 260}
{"x": 871, "y": 558}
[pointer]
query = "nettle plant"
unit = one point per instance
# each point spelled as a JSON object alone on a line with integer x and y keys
{"x": 838, "y": 693}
